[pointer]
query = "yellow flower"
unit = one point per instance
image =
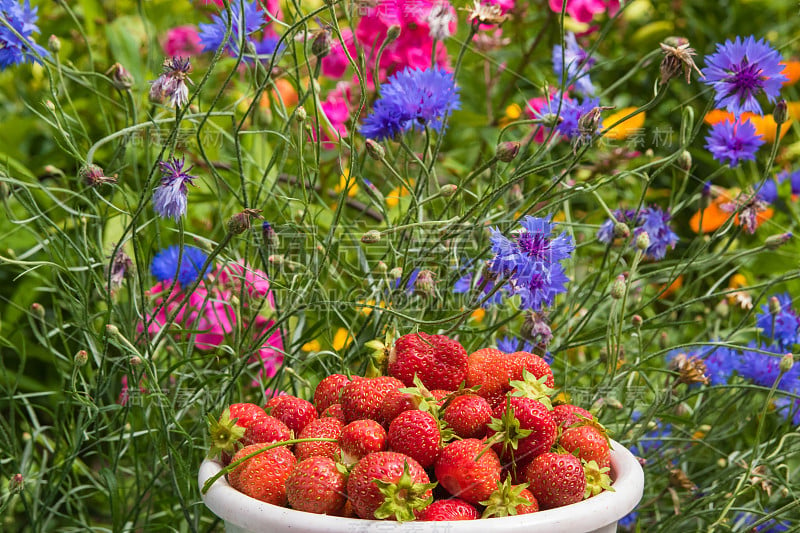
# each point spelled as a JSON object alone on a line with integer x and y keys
{"x": 346, "y": 182}
{"x": 513, "y": 112}
{"x": 342, "y": 339}
{"x": 393, "y": 198}
{"x": 625, "y": 129}
{"x": 478, "y": 314}
{"x": 311, "y": 346}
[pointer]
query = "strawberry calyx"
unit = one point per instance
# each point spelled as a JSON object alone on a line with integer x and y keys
{"x": 380, "y": 353}
{"x": 225, "y": 434}
{"x": 504, "y": 500}
{"x": 532, "y": 387}
{"x": 403, "y": 497}
{"x": 597, "y": 479}
{"x": 508, "y": 430}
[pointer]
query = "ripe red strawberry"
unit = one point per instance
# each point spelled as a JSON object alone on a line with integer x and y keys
{"x": 416, "y": 434}
{"x": 334, "y": 411}
{"x": 329, "y": 428}
{"x": 361, "y": 438}
{"x": 490, "y": 370}
{"x": 440, "y": 362}
{"x": 447, "y": 510}
{"x": 467, "y": 470}
{"x": 388, "y": 485}
{"x": 263, "y": 476}
{"x": 510, "y": 500}
{"x": 588, "y": 443}
{"x": 532, "y": 363}
{"x": 526, "y": 422}
{"x": 361, "y": 399}
{"x": 567, "y": 415}
{"x": 327, "y": 391}
{"x": 467, "y": 415}
{"x": 243, "y": 424}
{"x": 295, "y": 413}
{"x": 556, "y": 479}
{"x": 316, "y": 485}
{"x": 273, "y": 401}
{"x": 394, "y": 403}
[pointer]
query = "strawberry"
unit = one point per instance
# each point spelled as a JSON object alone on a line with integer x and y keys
{"x": 263, "y": 476}
{"x": 534, "y": 364}
{"x": 362, "y": 398}
{"x": 510, "y": 500}
{"x": 361, "y": 438}
{"x": 327, "y": 391}
{"x": 334, "y": 411}
{"x": 489, "y": 371}
{"x": 394, "y": 403}
{"x": 316, "y": 485}
{"x": 330, "y": 428}
{"x": 294, "y": 412}
{"x": 467, "y": 415}
{"x": 556, "y": 479}
{"x": 416, "y": 434}
{"x": 522, "y": 429}
{"x": 388, "y": 485}
{"x": 588, "y": 443}
{"x": 438, "y": 361}
{"x": 568, "y": 415}
{"x": 242, "y": 424}
{"x": 447, "y": 510}
{"x": 468, "y": 470}
{"x": 272, "y": 402}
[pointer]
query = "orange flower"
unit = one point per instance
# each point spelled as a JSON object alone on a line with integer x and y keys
{"x": 791, "y": 69}
{"x": 765, "y": 126}
{"x": 625, "y": 129}
{"x": 714, "y": 216}
{"x": 676, "y": 284}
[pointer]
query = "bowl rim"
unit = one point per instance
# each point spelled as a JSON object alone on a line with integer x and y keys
{"x": 604, "y": 509}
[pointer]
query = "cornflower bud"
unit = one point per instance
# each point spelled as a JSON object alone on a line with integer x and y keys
{"x": 622, "y": 230}
{"x": 392, "y": 33}
{"x": 54, "y": 44}
{"x": 321, "y": 46}
{"x": 685, "y": 161}
{"x": 781, "y": 112}
{"x": 618, "y": 288}
{"x": 643, "y": 241}
{"x": 375, "y": 150}
{"x": 786, "y": 364}
{"x": 370, "y": 237}
{"x": 773, "y": 242}
{"x": 425, "y": 283}
{"x": 81, "y": 358}
{"x": 300, "y": 114}
{"x": 448, "y": 190}
{"x": 507, "y": 151}
{"x": 241, "y": 222}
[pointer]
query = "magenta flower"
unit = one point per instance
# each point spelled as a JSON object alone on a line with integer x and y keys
{"x": 182, "y": 41}
{"x": 585, "y": 10}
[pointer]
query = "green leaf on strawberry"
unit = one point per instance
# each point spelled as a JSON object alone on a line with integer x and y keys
{"x": 403, "y": 497}
{"x": 532, "y": 387}
{"x": 224, "y": 434}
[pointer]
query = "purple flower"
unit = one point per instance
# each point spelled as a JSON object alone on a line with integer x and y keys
{"x": 729, "y": 142}
{"x": 13, "y": 49}
{"x": 740, "y": 70}
{"x": 789, "y": 408}
{"x": 653, "y": 440}
{"x": 171, "y": 85}
{"x": 625, "y": 216}
{"x": 169, "y": 264}
{"x": 412, "y": 99}
{"x": 794, "y": 180}
{"x": 761, "y": 368}
{"x": 655, "y": 223}
{"x": 169, "y": 198}
{"x": 532, "y": 260}
{"x": 767, "y": 191}
{"x": 576, "y": 62}
{"x": 784, "y": 325}
{"x": 250, "y": 19}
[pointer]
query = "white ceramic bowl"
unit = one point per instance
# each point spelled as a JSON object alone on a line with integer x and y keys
{"x": 595, "y": 515}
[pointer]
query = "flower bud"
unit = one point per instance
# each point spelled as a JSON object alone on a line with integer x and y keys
{"x": 112, "y": 330}
{"x": 448, "y": 190}
{"x": 38, "y": 310}
{"x": 16, "y": 484}
{"x": 507, "y": 151}
{"x": 93, "y": 176}
{"x": 241, "y": 222}
{"x": 786, "y": 364}
{"x": 773, "y": 242}
{"x": 321, "y": 46}
{"x": 300, "y": 114}
{"x": 425, "y": 283}
{"x": 269, "y": 235}
{"x": 685, "y": 161}
{"x": 392, "y": 33}
{"x": 781, "y": 112}
{"x": 81, "y": 358}
{"x": 276, "y": 259}
{"x": 120, "y": 77}
{"x": 621, "y": 230}
{"x": 382, "y": 268}
{"x": 774, "y": 306}
{"x": 396, "y": 273}
{"x": 54, "y": 44}
{"x": 135, "y": 361}
{"x": 643, "y": 241}
{"x": 370, "y": 237}
{"x": 636, "y": 321}
{"x": 618, "y": 287}
{"x": 723, "y": 308}
{"x": 375, "y": 150}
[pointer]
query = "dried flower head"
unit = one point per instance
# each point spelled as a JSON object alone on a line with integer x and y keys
{"x": 691, "y": 369}
{"x": 749, "y": 206}
{"x": 94, "y": 176}
{"x": 481, "y": 13}
{"x": 679, "y": 480}
{"x": 171, "y": 86}
{"x": 677, "y": 58}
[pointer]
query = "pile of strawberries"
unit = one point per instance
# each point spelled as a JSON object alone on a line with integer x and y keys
{"x": 443, "y": 436}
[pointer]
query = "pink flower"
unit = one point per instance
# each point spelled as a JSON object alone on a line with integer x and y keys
{"x": 335, "y": 64}
{"x": 505, "y": 5}
{"x": 534, "y": 107}
{"x": 182, "y": 41}
{"x": 337, "y": 109}
{"x": 271, "y": 351}
{"x": 585, "y": 10}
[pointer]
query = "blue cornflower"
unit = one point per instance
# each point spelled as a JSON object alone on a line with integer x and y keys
{"x": 169, "y": 198}
{"x": 745, "y": 520}
{"x": 784, "y": 325}
{"x": 655, "y": 223}
{"x": 569, "y": 112}
{"x": 789, "y": 408}
{"x": 412, "y": 99}
{"x": 168, "y": 264}
{"x": 245, "y": 17}
{"x": 171, "y": 86}
{"x": 794, "y": 180}
{"x": 721, "y": 362}
{"x": 628, "y": 522}
{"x": 266, "y": 47}
{"x": 731, "y": 142}
{"x": 13, "y": 49}
{"x": 767, "y": 191}
{"x": 532, "y": 261}
{"x": 625, "y": 216}
{"x": 653, "y": 440}
{"x": 740, "y": 70}
{"x": 410, "y": 284}
{"x": 464, "y": 285}
{"x": 761, "y": 368}
{"x": 577, "y": 64}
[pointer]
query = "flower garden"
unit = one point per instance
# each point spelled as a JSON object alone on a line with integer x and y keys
{"x": 213, "y": 203}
